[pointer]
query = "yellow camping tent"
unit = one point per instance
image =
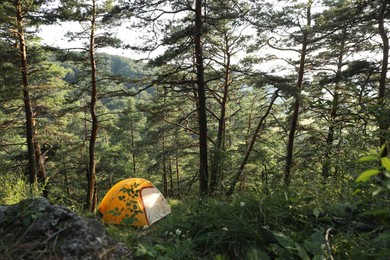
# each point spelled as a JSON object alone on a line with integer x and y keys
{"x": 134, "y": 201}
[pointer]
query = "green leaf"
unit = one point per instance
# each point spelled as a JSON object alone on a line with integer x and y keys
{"x": 371, "y": 157}
{"x": 220, "y": 257}
{"x": 383, "y": 147}
{"x": 160, "y": 248}
{"x": 377, "y": 191}
{"x": 316, "y": 212}
{"x": 255, "y": 253}
{"x": 27, "y": 221}
{"x": 279, "y": 251}
{"x": 285, "y": 241}
{"x": 365, "y": 176}
{"x": 385, "y": 163}
{"x": 140, "y": 250}
{"x": 302, "y": 252}
{"x": 41, "y": 208}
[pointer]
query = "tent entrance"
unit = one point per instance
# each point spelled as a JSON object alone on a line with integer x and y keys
{"x": 155, "y": 205}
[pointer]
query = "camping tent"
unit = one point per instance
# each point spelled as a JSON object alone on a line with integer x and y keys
{"x": 134, "y": 201}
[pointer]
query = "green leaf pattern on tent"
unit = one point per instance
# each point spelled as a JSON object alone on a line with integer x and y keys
{"x": 128, "y": 196}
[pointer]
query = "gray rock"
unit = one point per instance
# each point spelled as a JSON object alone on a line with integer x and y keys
{"x": 35, "y": 229}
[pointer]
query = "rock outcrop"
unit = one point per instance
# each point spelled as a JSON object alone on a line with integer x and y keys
{"x": 35, "y": 229}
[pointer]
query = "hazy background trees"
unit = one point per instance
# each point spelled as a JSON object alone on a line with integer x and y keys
{"x": 235, "y": 96}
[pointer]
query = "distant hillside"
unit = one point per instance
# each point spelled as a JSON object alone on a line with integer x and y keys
{"x": 119, "y": 73}
{"x": 107, "y": 65}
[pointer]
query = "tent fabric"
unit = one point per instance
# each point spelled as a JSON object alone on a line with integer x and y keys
{"x": 133, "y": 201}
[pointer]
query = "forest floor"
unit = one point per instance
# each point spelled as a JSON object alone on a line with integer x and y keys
{"x": 264, "y": 227}
{"x": 251, "y": 226}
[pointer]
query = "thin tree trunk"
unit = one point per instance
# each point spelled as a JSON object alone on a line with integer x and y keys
{"x": 251, "y": 144}
{"x": 170, "y": 178}
{"x": 41, "y": 173}
{"x": 201, "y": 91}
{"x": 264, "y": 178}
{"x": 383, "y": 123}
{"x": 217, "y": 162}
{"x": 91, "y": 192}
{"x": 133, "y": 148}
{"x": 250, "y": 121}
{"x": 40, "y": 162}
{"x": 177, "y": 177}
{"x": 26, "y": 95}
{"x": 164, "y": 157}
{"x": 330, "y": 138}
{"x": 333, "y": 114}
{"x": 164, "y": 177}
{"x": 294, "y": 122}
{"x": 95, "y": 198}
{"x": 66, "y": 183}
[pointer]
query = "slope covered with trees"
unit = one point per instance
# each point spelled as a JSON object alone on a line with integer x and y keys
{"x": 274, "y": 113}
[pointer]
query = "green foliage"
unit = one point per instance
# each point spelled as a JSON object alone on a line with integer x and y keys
{"x": 255, "y": 226}
{"x": 150, "y": 252}
{"x": 383, "y": 169}
{"x": 14, "y": 188}
{"x": 241, "y": 229}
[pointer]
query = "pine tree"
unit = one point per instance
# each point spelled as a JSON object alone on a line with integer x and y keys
{"x": 18, "y": 25}
{"x": 225, "y": 41}
{"x": 90, "y": 14}
{"x": 184, "y": 59}
{"x": 382, "y": 104}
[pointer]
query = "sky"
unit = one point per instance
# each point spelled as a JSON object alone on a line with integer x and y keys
{"x": 55, "y": 36}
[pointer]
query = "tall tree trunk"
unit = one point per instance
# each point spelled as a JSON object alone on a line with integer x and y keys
{"x": 164, "y": 153}
{"x": 177, "y": 177}
{"x": 383, "y": 119}
{"x": 133, "y": 158}
{"x": 40, "y": 162}
{"x": 165, "y": 174}
{"x": 91, "y": 192}
{"x": 26, "y": 95}
{"x": 66, "y": 180}
{"x": 251, "y": 144}
{"x": 333, "y": 113}
{"x": 251, "y": 120}
{"x": 297, "y": 103}
{"x": 171, "y": 190}
{"x": 201, "y": 91}
{"x": 217, "y": 162}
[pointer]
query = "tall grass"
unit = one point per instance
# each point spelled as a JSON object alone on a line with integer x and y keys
{"x": 14, "y": 188}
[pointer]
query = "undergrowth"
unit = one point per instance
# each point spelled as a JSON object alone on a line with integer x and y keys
{"x": 310, "y": 221}
{"x": 255, "y": 226}
{"x": 14, "y": 188}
